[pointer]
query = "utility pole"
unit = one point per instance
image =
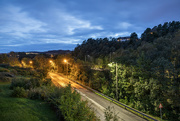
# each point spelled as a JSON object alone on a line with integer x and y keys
{"x": 65, "y": 61}
{"x": 110, "y": 57}
{"x": 116, "y": 83}
{"x": 67, "y": 69}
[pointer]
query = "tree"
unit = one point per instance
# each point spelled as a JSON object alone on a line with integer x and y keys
{"x": 4, "y": 58}
{"x": 72, "y": 108}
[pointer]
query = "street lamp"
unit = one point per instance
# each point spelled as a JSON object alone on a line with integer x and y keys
{"x": 116, "y": 79}
{"x": 50, "y": 61}
{"x": 65, "y": 61}
{"x": 30, "y": 62}
{"x": 52, "y": 65}
{"x": 116, "y": 84}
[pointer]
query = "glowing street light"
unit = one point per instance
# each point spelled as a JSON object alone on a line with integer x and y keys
{"x": 52, "y": 65}
{"x": 30, "y": 62}
{"x": 65, "y": 60}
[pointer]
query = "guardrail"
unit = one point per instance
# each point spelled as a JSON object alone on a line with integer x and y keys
{"x": 145, "y": 116}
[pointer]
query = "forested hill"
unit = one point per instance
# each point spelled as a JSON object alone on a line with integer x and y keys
{"x": 102, "y": 47}
{"x": 148, "y": 69}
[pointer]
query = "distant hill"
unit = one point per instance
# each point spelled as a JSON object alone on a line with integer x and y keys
{"x": 54, "y": 52}
{"x": 32, "y": 54}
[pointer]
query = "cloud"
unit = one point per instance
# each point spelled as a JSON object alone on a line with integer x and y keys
{"x": 62, "y": 22}
{"x": 66, "y": 23}
{"x": 124, "y": 25}
{"x": 16, "y": 23}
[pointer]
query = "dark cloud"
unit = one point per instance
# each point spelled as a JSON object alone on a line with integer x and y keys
{"x": 26, "y": 23}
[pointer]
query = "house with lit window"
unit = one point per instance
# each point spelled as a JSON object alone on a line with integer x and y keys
{"x": 123, "y": 39}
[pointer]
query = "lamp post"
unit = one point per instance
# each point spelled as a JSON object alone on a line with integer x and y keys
{"x": 52, "y": 65}
{"x": 31, "y": 63}
{"x": 116, "y": 84}
{"x": 65, "y": 61}
{"x": 116, "y": 79}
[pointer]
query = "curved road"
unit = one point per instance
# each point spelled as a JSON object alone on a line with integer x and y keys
{"x": 96, "y": 102}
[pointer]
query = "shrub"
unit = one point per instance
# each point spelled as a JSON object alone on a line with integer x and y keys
{"x": 47, "y": 82}
{"x": 35, "y": 82}
{"x": 19, "y": 82}
{"x": 73, "y": 108}
{"x": 35, "y": 93}
{"x": 13, "y": 71}
{"x": 19, "y": 92}
{"x": 3, "y": 77}
{"x": 110, "y": 114}
{"x": 4, "y": 65}
{"x": 4, "y": 70}
{"x": 25, "y": 82}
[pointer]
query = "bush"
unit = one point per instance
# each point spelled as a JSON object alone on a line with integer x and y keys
{"x": 110, "y": 114}
{"x": 25, "y": 83}
{"x": 3, "y": 77}
{"x": 19, "y": 92}
{"x": 35, "y": 82}
{"x": 35, "y": 93}
{"x": 13, "y": 71}
{"x": 4, "y": 70}
{"x": 73, "y": 108}
{"x": 47, "y": 82}
{"x": 19, "y": 82}
{"x": 4, "y": 65}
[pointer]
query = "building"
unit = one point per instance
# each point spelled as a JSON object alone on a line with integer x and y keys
{"x": 123, "y": 39}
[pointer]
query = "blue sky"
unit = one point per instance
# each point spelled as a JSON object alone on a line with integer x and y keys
{"x": 41, "y": 25}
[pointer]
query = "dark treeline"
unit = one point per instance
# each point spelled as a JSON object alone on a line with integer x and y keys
{"x": 101, "y": 47}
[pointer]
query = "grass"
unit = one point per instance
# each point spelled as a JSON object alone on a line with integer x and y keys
{"x": 22, "y": 109}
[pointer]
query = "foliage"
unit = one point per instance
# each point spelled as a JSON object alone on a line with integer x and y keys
{"x": 19, "y": 92}
{"x": 26, "y": 62}
{"x": 110, "y": 115}
{"x": 93, "y": 48}
{"x": 13, "y": 59}
{"x": 73, "y": 109}
{"x": 26, "y": 83}
{"x": 21, "y": 109}
{"x": 5, "y": 77}
{"x": 150, "y": 35}
{"x": 4, "y": 58}
{"x": 150, "y": 78}
{"x": 4, "y": 70}
{"x": 36, "y": 93}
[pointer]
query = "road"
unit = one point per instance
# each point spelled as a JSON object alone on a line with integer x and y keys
{"x": 97, "y": 103}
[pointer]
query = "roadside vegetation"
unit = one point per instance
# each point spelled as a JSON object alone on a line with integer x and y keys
{"x": 32, "y": 96}
{"x": 21, "y": 109}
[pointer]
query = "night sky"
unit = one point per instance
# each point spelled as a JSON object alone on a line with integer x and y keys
{"x": 41, "y": 25}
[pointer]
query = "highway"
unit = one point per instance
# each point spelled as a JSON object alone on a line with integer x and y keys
{"x": 96, "y": 102}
